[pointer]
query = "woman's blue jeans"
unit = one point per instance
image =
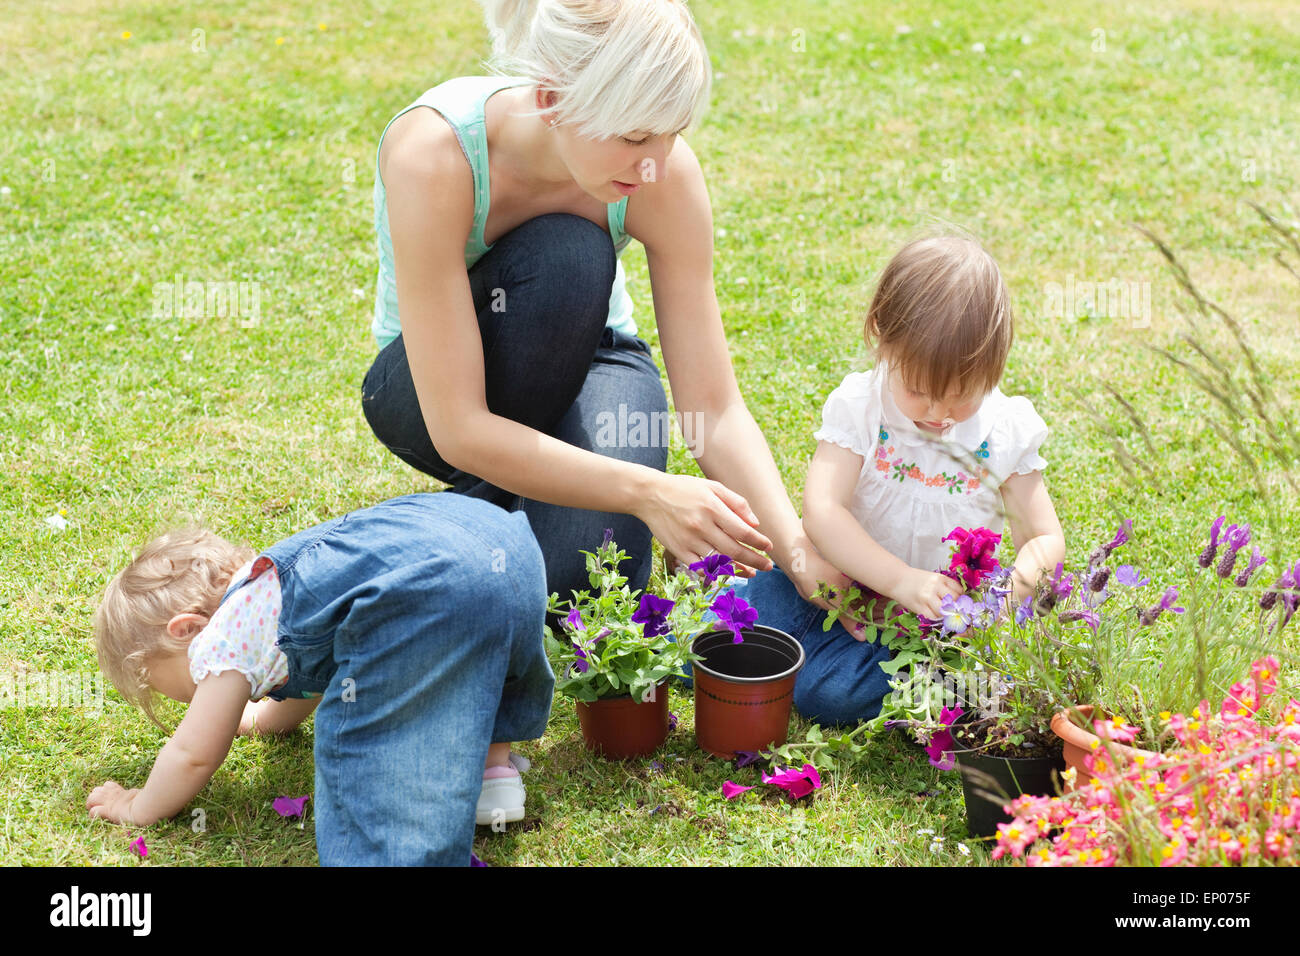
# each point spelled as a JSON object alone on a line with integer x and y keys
{"x": 542, "y": 296}
{"x": 418, "y": 622}
{"x": 841, "y": 683}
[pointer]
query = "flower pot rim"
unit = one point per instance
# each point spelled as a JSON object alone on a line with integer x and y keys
{"x": 752, "y": 629}
{"x": 1082, "y": 737}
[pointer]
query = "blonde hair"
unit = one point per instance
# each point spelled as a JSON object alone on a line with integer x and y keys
{"x": 941, "y": 314}
{"x": 617, "y": 66}
{"x": 185, "y": 571}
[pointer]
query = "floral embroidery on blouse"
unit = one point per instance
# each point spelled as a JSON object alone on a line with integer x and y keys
{"x": 960, "y": 483}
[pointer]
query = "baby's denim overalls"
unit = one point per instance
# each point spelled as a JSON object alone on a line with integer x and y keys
{"x": 419, "y": 623}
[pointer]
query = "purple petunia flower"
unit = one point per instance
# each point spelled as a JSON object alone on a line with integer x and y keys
{"x": 1257, "y": 561}
{"x": 745, "y": 757}
{"x": 474, "y": 860}
{"x": 1130, "y": 577}
{"x": 734, "y": 614}
{"x": 574, "y": 620}
{"x": 609, "y": 536}
{"x": 672, "y": 721}
{"x": 653, "y": 613}
{"x": 580, "y": 665}
{"x": 1148, "y": 617}
{"x": 714, "y": 566}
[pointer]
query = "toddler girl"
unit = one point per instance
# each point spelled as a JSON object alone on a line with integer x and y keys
{"x": 923, "y": 443}
{"x": 412, "y": 628}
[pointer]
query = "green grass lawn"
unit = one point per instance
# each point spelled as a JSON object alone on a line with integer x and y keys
{"x": 149, "y": 140}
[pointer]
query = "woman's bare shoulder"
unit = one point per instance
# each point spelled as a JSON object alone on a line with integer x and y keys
{"x": 420, "y": 146}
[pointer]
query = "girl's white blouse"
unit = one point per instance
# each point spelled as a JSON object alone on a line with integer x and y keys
{"x": 913, "y": 488}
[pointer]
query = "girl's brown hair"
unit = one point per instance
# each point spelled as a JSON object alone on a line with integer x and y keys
{"x": 185, "y": 571}
{"x": 942, "y": 316}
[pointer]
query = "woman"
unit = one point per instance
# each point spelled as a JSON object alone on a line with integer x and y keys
{"x": 500, "y": 210}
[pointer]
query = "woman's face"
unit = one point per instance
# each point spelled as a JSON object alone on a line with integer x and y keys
{"x": 609, "y": 169}
{"x": 928, "y": 413}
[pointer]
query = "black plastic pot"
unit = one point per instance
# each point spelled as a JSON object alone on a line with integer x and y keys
{"x": 989, "y": 782}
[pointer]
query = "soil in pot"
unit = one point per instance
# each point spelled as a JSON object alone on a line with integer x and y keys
{"x": 743, "y": 692}
{"x": 991, "y": 778}
{"x": 1080, "y": 742}
{"x": 620, "y": 728}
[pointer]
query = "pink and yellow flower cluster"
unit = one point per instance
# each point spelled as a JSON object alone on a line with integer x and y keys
{"x": 1226, "y": 793}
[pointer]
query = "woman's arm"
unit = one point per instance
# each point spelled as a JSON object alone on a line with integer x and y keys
{"x": 187, "y": 761}
{"x": 832, "y": 477}
{"x": 1035, "y": 530}
{"x": 674, "y": 222}
{"x": 430, "y": 210}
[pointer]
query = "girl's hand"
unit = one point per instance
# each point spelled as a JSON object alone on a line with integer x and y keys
{"x": 921, "y": 592}
{"x": 692, "y": 517}
{"x": 111, "y": 802}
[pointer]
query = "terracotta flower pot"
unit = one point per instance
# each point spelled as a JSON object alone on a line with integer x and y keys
{"x": 621, "y": 728}
{"x": 743, "y": 692}
{"x": 1080, "y": 742}
{"x": 988, "y": 782}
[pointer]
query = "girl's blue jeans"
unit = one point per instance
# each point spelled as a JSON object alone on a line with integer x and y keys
{"x": 418, "y": 622}
{"x": 542, "y": 296}
{"x": 841, "y": 683}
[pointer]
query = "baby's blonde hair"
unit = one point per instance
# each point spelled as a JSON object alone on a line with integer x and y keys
{"x": 617, "y": 66}
{"x": 941, "y": 314}
{"x": 184, "y": 571}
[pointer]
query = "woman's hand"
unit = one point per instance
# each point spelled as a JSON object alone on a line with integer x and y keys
{"x": 111, "y": 802}
{"x": 693, "y": 517}
{"x": 921, "y": 592}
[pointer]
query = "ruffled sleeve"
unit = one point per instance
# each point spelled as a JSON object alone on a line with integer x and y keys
{"x": 1021, "y": 432}
{"x": 850, "y": 417}
{"x": 241, "y": 634}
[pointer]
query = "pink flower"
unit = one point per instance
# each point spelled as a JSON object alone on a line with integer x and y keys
{"x": 289, "y": 806}
{"x": 731, "y": 791}
{"x": 1115, "y": 729}
{"x": 1264, "y": 671}
{"x": 942, "y": 746}
{"x": 973, "y": 557}
{"x": 139, "y": 846}
{"x": 797, "y": 783}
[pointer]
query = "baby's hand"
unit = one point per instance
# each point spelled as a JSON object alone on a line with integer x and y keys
{"x": 111, "y": 802}
{"x": 922, "y": 592}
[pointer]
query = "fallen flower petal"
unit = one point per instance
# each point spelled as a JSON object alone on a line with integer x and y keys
{"x": 732, "y": 790}
{"x": 474, "y": 860}
{"x": 138, "y": 845}
{"x": 290, "y": 806}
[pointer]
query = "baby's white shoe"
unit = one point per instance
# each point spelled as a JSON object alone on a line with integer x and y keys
{"x": 502, "y": 799}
